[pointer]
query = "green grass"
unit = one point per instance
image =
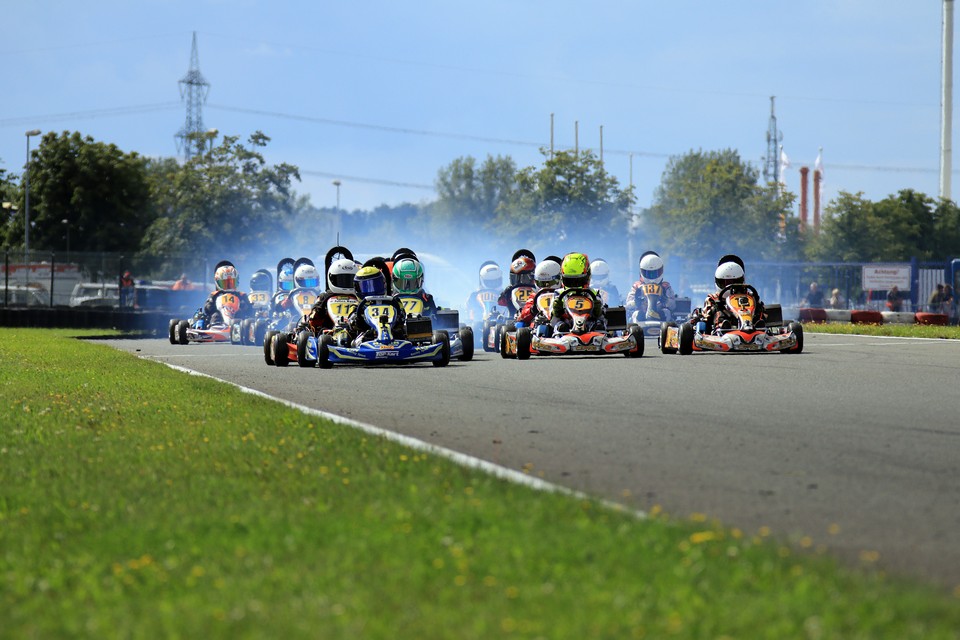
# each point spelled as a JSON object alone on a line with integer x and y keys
{"x": 898, "y": 330}
{"x": 140, "y": 502}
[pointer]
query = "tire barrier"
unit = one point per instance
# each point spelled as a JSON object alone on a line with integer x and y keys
{"x": 866, "y": 316}
{"x": 838, "y": 315}
{"x": 940, "y": 319}
{"x": 898, "y": 317}
{"x": 809, "y": 314}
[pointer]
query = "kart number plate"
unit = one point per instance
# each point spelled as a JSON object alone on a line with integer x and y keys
{"x": 341, "y": 307}
{"x": 376, "y": 311}
{"x": 258, "y": 298}
{"x": 579, "y": 304}
{"x": 412, "y": 305}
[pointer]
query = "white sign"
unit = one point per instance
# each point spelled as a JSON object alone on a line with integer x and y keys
{"x": 880, "y": 277}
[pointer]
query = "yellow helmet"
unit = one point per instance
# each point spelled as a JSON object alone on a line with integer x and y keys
{"x": 575, "y": 270}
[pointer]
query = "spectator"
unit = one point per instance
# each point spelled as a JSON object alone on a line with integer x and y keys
{"x": 836, "y": 300}
{"x": 935, "y": 301}
{"x": 814, "y": 299}
{"x": 182, "y": 284}
{"x": 894, "y": 301}
{"x": 949, "y": 304}
{"x": 127, "y": 289}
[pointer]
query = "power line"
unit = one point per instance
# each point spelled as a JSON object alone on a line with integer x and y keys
{"x": 391, "y": 183}
{"x": 89, "y": 115}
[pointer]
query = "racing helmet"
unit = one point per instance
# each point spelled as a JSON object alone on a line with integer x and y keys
{"x": 575, "y": 270}
{"x": 340, "y": 276}
{"x": 651, "y": 268}
{"x": 285, "y": 278}
{"x": 226, "y": 277}
{"x": 306, "y": 275}
{"x": 521, "y": 271}
{"x": 728, "y": 273}
{"x": 599, "y": 272}
{"x": 260, "y": 281}
{"x": 547, "y": 274}
{"x": 407, "y": 275}
{"x": 369, "y": 281}
{"x": 491, "y": 277}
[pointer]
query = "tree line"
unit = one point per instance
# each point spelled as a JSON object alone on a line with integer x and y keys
{"x": 708, "y": 203}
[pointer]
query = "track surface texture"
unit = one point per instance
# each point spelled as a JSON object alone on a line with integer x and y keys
{"x": 854, "y": 443}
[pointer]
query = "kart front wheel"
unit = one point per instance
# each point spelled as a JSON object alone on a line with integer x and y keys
{"x": 172, "y": 330}
{"x": 281, "y": 349}
{"x": 442, "y": 337}
{"x": 686, "y": 339}
{"x": 797, "y": 329}
{"x": 466, "y": 340}
{"x": 182, "y": 327}
{"x": 524, "y": 340}
{"x": 637, "y": 332}
{"x": 662, "y": 338}
{"x": 303, "y": 345}
{"x": 504, "y": 351}
{"x": 323, "y": 351}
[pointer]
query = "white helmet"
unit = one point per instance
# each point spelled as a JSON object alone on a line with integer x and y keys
{"x": 340, "y": 276}
{"x": 547, "y": 275}
{"x": 599, "y": 272}
{"x": 491, "y": 277}
{"x": 306, "y": 275}
{"x": 651, "y": 268}
{"x": 728, "y": 273}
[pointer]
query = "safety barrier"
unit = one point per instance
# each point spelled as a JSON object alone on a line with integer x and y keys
{"x": 866, "y": 316}
{"x": 898, "y": 317}
{"x": 80, "y": 318}
{"x": 932, "y": 318}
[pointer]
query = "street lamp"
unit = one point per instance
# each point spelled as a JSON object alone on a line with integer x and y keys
{"x": 26, "y": 213}
{"x": 337, "y": 184}
{"x": 67, "y": 224}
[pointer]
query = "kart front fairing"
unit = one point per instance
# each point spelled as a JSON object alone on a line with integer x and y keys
{"x": 593, "y": 342}
{"x": 745, "y": 340}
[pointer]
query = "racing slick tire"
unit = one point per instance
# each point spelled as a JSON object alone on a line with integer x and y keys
{"x": 442, "y": 337}
{"x": 488, "y": 327}
{"x": 524, "y": 340}
{"x": 172, "y": 330}
{"x": 281, "y": 349}
{"x": 637, "y": 332}
{"x": 259, "y": 331}
{"x": 686, "y": 339}
{"x": 246, "y": 330}
{"x": 268, "y": 347}
{"x": 503, "y": 347}
{"x": 236, "y": 333}
{"x": 797, "y": 329}
{"x": 662, "y": 338}
{"x": 466, "y": 340}
{"x": 182, "y": 332}
{"x": 303, "y": 343}
{"x": 323, "y": 351}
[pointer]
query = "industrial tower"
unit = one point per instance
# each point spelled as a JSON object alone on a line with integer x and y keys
{"x": 193, "y": 90}
{"x": 771, "y": 164}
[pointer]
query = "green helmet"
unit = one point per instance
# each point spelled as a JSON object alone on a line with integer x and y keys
{"x": 407, "y": 275}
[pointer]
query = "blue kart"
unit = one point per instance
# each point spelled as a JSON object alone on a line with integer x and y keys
{"x": 422, "y": 343}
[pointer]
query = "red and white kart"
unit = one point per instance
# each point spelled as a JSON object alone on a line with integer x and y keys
{"x": 586, "y": 336}
{"x": 496, "y": 323}
{"x": 742, "y": 301}
{"x": 543, "y": 300}
{"x": 197, "y": 329}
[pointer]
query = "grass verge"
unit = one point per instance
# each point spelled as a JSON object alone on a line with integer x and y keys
{"x": 139, "y": 502}
{"x": 897, "y": 330}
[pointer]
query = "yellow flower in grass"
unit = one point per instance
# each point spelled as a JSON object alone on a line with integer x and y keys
{"x": 704, "y": 536}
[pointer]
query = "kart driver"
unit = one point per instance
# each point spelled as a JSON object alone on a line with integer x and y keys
{"x": 408, "y": 287}
{"x": 478, "y": 303}
{"x": 226, "y": 278}
{"x": 651, "y": 281}
{"x": 546, "y": 277}
{"x": 600, "y": 278}
{"x": 371, "y": 288}
{"x": 521, "y": 277}
{"x": 714, "y": 312}
{"x": 284, "y": 286}
{"x": 339, "y": 296}
{"x": 575, "y": 278}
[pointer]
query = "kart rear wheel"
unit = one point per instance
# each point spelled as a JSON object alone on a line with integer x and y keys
{"x": 281, "y": 349}
{"x": 504, "y": 353}
{"x": 259, "y": 331}
{"x": 797, "y": 329}
{"x": 268, "y": 347}
{"x": 172, "y": 330}
{"x": 182, "y": 332}
{"x": 488, "y": 328}
{"x": 323, "y": 351}
{"x": 637, "y": 332}
{"x": 246, "y": 331}
{"x": 662, "y": 338}
{"x": 442, "y": 337}
{"x": 303, "y": 344}
{"x": 466, "y": 340}
{"x": 686, "y": 339}
{"x": 524, "y": 340}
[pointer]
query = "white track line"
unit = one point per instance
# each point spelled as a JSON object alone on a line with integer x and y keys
{"x": 461, "y": 459}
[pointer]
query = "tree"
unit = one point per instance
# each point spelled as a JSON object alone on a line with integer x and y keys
{"x": 226, "y": 201}
{"x": 98, "y": 190}
{"x": 470, "y": 194}
{"x": 711, "y": 203}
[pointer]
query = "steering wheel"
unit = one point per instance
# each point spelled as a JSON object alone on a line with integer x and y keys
{"x": 735, "y": 288}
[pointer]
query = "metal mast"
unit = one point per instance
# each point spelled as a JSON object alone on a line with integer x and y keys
{"x": 946, "y": 102}
{"x": 193, "y": 90}
{"x": 771, "y": 164}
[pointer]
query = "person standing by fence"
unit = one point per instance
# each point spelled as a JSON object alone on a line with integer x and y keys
{"x": 127, "y": 290}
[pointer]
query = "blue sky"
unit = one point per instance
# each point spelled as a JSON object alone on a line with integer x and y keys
{"x": 383, "y": 94}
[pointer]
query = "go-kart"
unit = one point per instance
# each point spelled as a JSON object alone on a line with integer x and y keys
{"x": 280, "y": 345}
{"x": 751, "y": 334}
{"x": 461, "y": 336}
{"x": 497, "y": 321}
{"x": 606, "y": 335}
{"x": 421, "y": 344}
{"x": 198, "y": 329}
{"x": 652, "y": 313}
{"x": 544, "y": 310}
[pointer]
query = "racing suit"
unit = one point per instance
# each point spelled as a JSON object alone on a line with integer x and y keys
{"x": 419, "y": 300}
{"x": 320, "y": 318}
{"x": 506, "y": 298}
{"x": 211, "y": 314}
{"x": 560, "y": 318}
{"x": 714, "y": 313}
{"x": 636, "y": 304}
{"x": 478, "y": 302}
{"x": 531, "y": 309}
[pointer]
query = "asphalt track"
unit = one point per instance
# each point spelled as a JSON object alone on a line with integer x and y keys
{"x": 853, "y": 445}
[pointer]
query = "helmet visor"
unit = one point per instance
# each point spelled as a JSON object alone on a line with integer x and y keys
{"x": 580, "y": 281}
{"x": 407, "y": 283}
{"x": 651, "y": 274}
{"x": 371, "y": 287}
{"x": 341, "y": 280}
